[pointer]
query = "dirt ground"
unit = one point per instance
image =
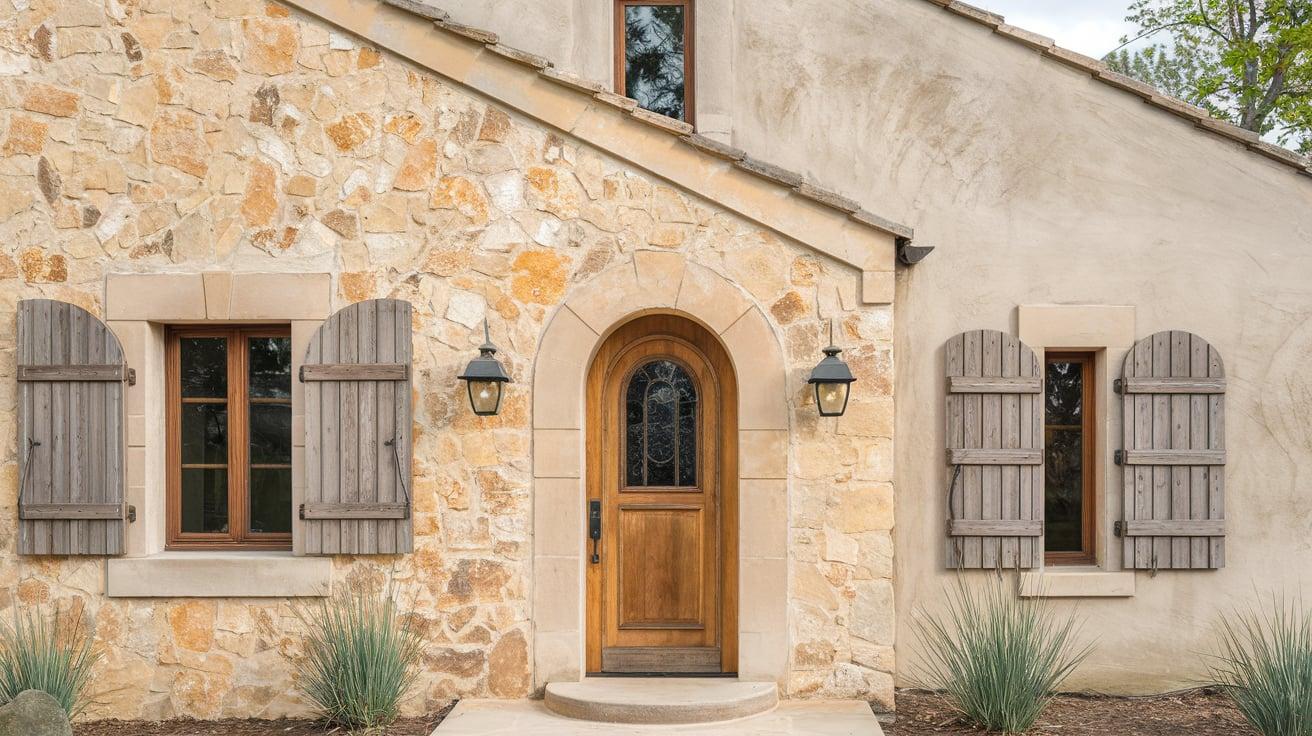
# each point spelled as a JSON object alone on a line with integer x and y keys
{"x": 1195, "y": 712}
{"x": 403, "y": 727}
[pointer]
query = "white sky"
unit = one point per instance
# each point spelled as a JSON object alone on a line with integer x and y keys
{"x": 1091, "y": 27}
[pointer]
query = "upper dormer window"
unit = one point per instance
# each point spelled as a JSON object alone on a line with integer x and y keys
{"x": 653, "y": 55}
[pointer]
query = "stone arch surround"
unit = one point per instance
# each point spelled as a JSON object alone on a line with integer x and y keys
{"x": 657, "y": 281}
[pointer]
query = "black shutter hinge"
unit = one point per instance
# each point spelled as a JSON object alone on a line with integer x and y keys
{"x": 132, "y": 376}
{"x": 1118, "y": 457}
{"x": 1118, "y": 386}
{"x": 301, "y": 513}
{"x": 132, "y": 513}
{"x": 1119, "y": 528}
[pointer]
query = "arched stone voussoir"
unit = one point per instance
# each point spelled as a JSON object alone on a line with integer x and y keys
{"x": 762, "y": 376}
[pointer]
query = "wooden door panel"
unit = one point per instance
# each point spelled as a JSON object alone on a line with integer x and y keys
{"x": 660, "y": 567}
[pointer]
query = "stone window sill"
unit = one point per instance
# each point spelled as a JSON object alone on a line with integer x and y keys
{"x": 1076, "y": 583}
{"x": 219, "y": 575}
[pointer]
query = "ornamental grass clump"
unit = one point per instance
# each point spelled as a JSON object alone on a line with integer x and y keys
{"x": 1264, "y": 664}
{"x": 361, "y": 658}
{"x": 51, "y": 653}
{"x": 998, "y": 658}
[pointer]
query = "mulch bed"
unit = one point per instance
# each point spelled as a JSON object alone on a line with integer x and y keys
{"x": 422, "y": 726}
{"x": 1193, "y": 712}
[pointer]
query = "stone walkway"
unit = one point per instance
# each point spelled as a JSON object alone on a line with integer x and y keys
{"x": 531, "y": 718}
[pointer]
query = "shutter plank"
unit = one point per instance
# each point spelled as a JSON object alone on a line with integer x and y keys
{"x": 384, "y": 423}
{"x": 1175, "y": 528}
{"x": 1010, "y": 546}
{"x": 1161, "y": 506}
{"x": 1180, "y": 357}
{"x": 992, "y": 429}
{"x": 1002, "y": 528}
{"x": 955, "y": 438}
{"x": 332, "y": 444}
{"x": 1174, "y": 385}
{"x": 380, "y": 371}
{"x": 348, "y": 350}
{"x": 404, "y": 422}
{"x": 312, "y": 534}
{"x": 367, "y": 531}
{"x": 972, "y": 476}
{"x": 1199, "y": 552}
{"x": 1216, "y": 441}
{"x": 1003, "y": 385}
{"x": 995, "y": 457}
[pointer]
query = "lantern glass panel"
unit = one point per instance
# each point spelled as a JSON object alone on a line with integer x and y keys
{"x": 485, "y": 397}
{"x": 831, "y": 398}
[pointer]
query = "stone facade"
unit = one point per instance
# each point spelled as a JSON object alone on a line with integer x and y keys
{"x": 234, "y": 135}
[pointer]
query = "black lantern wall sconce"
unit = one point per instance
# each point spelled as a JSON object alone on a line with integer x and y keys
{"x": 832, "y": 380}
{"x": 485, "y": 378}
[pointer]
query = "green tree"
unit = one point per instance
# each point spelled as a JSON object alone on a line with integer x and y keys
{"x": 1246, "y": 61}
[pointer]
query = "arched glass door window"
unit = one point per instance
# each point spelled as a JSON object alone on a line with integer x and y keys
{"x": 660, "y": 426}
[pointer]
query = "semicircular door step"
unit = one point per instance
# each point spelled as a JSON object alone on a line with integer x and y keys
{"x": 660, "y": 700}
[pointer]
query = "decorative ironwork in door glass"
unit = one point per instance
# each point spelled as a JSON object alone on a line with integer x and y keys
{"x": 660, "y": 427}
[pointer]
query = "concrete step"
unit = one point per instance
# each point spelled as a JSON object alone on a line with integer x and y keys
{"x": 660, "y": 700}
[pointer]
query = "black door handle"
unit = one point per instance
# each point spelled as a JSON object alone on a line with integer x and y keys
{"x": 594, "y": 528}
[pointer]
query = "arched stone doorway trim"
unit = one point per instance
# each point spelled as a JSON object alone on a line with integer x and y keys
{"x": 658, "y": 281}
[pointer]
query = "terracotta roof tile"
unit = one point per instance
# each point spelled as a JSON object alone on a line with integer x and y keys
{"x": 975, "y": 13}
{"x": 420, "y": 8}
{"x": 663, "y": 122}
{"x": 573, "y": 80}
{"x": 523, "y": 57}
{"x": 765, "y": 170}
{"x": 715, "y": 148}
{"x": 828, "y": 198}
{"x": 869, "y": 218}
{"x": 1028, "y": 38}
{"x": 627, "y": 104}
{"x": 470, "y": 32}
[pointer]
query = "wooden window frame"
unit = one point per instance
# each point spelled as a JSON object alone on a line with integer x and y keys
{"x": 238, "y": 398}
{"x": 1087, "y": 555}
{"x": 689, "y": 36}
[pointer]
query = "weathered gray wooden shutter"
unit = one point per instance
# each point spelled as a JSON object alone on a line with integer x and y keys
{"x": 357, "y": 432}
{"x": 995, "y": 452}
{"x": 1173, "y": 456}
{"x": 71, "y": 442}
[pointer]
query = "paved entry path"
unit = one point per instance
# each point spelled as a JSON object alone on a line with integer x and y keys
{"x": 531, "y": 718}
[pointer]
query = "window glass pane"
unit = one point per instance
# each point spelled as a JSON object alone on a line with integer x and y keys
{"x": 271, "y": 433}
{"x": 204, "y": 367}
{"x": 271, "y": 500}
{"x": 661, "y": 426}
{"x": 205, "y": 500}
{"x": 1064, "y": 457}
{"x": 270, "y": 367}
{"x": 653, "y": 57}
{"x": 204, "y": 434}
{"x": 1063, "y": 492}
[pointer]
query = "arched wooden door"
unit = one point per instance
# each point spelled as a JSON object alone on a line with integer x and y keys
{"x": 662, "y": 585}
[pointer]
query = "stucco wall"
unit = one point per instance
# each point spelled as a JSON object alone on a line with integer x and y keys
{"x": 231, "y": 135}
{"x": 1039, "y": 185}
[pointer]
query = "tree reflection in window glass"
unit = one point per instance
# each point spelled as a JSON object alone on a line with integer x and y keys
{"x": 653, "y": 57}
{"x": 1064, "y": 457}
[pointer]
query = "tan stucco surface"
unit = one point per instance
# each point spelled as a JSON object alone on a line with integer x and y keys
{"x": 233, "y": 142}
{"x": 1038, "y": 185}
